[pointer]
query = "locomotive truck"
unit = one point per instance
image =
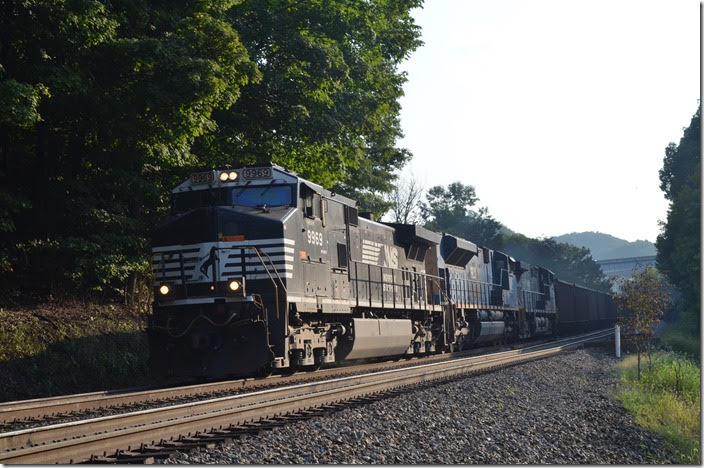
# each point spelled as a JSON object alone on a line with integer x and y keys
{"x": 258, "y": 269}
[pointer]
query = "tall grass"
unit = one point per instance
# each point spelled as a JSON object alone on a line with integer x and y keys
{"x": 666, "y": 401}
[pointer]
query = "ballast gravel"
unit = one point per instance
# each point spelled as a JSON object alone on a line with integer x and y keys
{"x": 557, "y": 410}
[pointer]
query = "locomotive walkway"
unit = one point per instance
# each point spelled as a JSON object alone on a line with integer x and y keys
{"x": 153, "y": 432}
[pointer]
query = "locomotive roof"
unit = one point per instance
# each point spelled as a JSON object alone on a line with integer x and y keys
{"x": 286, "y": 175}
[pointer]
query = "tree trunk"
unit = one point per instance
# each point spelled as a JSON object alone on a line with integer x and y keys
{"x": 650, "y": 355}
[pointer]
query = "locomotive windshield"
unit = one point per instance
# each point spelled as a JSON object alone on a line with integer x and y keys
{"x": 269, "y": 195}
{"x": 253, "y": 196}
{"x": 187, "y": 201}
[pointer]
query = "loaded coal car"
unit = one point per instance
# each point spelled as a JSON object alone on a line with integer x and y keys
{"x": 583, "y": 309}
{"x": 258, "y": 269}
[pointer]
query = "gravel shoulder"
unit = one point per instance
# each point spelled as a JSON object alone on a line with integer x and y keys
{"x": 557, "y": 410}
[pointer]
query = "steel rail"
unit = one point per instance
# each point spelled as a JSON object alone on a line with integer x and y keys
{"x": 77, "y": 441}
{"x": 43, "y": 407}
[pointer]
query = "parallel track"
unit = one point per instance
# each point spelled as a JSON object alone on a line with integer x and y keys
{"x": 216, "y": 417}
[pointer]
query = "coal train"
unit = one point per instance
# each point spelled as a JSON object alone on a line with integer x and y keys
{"x": 258, "y": 269}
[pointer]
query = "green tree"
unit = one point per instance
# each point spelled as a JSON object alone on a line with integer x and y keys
{"x": 121, "y": 90}
{"x": 642, "y": 302}
{"x": 678, "y": 245}
{"x": 327, "y": 104}
{"x": 452, "y": 210}
{"x": 105, "y": 106}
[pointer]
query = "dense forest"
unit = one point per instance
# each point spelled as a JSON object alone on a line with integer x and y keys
{"x": 105, "y": 106}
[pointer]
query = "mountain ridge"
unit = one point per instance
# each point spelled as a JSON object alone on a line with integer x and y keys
{"x": 605, "y": 246}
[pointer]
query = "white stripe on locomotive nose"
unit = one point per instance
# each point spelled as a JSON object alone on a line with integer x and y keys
{"x": 265, "y": 276}
{"x": 273, "y": 258}
{"x": 172, "y": 274}
{"x": 268, "y": 250}
{"x": 205, "y": 246}
{"x": 238, "y": 268}
{"x": 280, "y": 240}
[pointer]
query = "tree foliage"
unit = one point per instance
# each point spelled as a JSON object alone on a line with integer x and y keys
{"x": 105, "y": 106}
{"x": 678, "y": 245}
{"x": 568, "y": 262}
{"x": 327, "y": 104}
{"x": 452, "y": 210}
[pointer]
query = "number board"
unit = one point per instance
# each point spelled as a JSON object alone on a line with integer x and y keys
{"x": 202, "y": 178}
{"x": 256, "y": 173}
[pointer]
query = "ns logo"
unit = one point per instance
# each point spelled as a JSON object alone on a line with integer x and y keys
{"x": 390, "y": 257}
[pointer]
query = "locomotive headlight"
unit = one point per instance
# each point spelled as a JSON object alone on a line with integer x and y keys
{"x": 223, "y": 177}
{"x": 232, "y": 175}
{"x": 164, "y": 289}
{"x": 235, "y": 287}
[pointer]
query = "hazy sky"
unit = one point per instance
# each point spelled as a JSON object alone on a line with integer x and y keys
{"x": 558, "y": 112}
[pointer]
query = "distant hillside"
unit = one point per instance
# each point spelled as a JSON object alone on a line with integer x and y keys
{"x": 603, "y": 246}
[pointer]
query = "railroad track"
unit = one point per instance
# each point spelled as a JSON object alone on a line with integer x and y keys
{"x": 155, "y": 431}
{"x": 59, "y": 408}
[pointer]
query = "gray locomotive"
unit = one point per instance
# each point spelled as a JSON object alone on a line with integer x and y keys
{"x": 258, "y": 269}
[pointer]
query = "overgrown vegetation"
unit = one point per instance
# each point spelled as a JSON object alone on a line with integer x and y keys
{"x": 75, "y": 347}
{"x": 666, "y": 400}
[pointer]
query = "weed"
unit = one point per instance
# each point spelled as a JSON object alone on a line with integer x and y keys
{"x": 666, "y": 401}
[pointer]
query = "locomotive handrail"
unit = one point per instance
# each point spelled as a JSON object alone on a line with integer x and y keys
{"x": 276, "y": 287}
{"x": 271, "y": 262}
{"x": 421, "y": 295}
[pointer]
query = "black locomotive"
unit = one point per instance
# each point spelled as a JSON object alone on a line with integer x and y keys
{"x": 258, "y": 269}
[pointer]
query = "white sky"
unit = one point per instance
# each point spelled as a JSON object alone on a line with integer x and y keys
{"x": 557, "y": 112}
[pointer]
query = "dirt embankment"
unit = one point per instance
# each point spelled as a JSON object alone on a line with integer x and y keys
{"x": 70, "y": 346}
